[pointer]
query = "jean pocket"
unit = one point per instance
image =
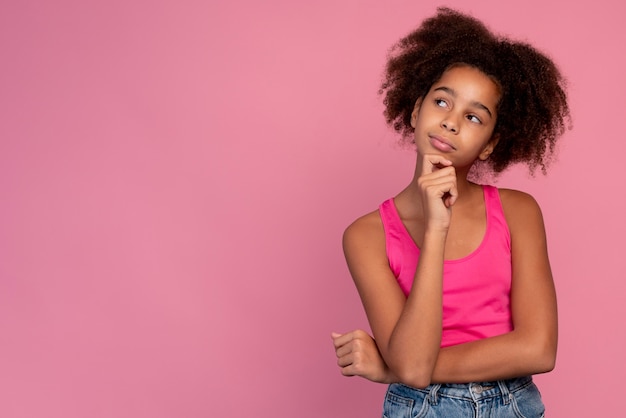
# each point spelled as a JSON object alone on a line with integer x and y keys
{"x": 527, "y": 402}
{"x": 397, "y": 406}
{"x": 405, "y": 402}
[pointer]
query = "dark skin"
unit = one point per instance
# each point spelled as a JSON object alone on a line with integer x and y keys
{"x": 444, "y": 214}
{"x": 533, "y": 109}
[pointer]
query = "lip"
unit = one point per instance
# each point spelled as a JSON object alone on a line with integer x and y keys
{"x": 440, "y": 143}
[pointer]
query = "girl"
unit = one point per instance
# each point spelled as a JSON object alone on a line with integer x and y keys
{"x": 454, "y": 276}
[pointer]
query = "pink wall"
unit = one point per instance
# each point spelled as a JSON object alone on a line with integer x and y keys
{"x": 175, "y": 178}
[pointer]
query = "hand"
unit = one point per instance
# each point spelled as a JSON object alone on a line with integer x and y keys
{"x": 439, "y": 190}
{"x": 358, "y": 355}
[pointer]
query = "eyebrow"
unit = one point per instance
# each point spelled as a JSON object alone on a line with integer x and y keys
{"x": 452, "y": 93}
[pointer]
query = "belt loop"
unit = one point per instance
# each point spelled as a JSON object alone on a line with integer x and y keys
{"x": 432, "y": 394}
{"x": 504, "y": 390}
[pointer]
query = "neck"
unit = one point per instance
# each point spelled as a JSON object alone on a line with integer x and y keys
{"x": 408, "y": 200}
{"x": 463, "y": 185}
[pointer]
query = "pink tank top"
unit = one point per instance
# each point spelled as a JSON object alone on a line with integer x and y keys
{"x": 476, "y": 288}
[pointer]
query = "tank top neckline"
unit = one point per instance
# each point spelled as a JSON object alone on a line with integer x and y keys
{"x": 475, "y": 251}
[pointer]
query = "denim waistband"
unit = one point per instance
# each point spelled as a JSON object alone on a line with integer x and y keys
{"x": 474, "y": 391}
{"x": 478, "y": 390}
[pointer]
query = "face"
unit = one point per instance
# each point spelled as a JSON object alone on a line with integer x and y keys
{"x": 457, "y": 117}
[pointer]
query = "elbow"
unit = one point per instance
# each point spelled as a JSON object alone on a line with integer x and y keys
{"x": 415, "y": 380}
{"x": 546, "y": 360}
{"x": 421, "y": 383}
{"x": 414, "y": 367}
{"x": 416, "y": 377}
{"x": 544, "y": 355}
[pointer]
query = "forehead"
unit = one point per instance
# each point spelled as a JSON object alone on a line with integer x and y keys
{"x": 471, "y": 84}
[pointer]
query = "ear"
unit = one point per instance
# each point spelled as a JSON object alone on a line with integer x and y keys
{"x": 486, "y": 152}
{"x": 415, "y": 113}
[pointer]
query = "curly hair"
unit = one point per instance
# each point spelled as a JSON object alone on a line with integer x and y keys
{"x": 532, "y": 111}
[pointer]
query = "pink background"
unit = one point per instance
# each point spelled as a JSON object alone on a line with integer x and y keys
{"x": 175, "y": 178}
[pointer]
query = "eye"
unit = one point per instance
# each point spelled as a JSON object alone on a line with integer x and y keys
{"x": 474, "y": 118}
{"x": 441, "y": 103}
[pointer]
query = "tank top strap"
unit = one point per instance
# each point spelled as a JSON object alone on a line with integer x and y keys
{"x": 402, "y": 253}
{"x": 393, "y": 224}
{"x": 495, "y": 212}
{"x": 389, "y": 215}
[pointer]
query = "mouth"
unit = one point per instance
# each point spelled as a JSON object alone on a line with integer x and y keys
{"x": 441, "y": 144}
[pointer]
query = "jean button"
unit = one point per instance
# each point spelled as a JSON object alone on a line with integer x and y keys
{"x": 478, "y": 389}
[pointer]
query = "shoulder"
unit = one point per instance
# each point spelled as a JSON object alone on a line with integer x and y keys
{"x": 365, "y": 229}
{"x": 516, "y": 203}
{"x": 364, "y": 241}
{"x": 522, "y": 212}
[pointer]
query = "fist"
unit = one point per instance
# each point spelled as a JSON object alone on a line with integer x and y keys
{"x": 358, "y": 355}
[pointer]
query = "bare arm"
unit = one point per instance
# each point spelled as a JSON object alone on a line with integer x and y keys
{"x": 529, "y": 349}
{"x": 407, "y": 331}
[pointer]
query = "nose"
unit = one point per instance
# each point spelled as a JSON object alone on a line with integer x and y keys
{"x": 449, "y": 124}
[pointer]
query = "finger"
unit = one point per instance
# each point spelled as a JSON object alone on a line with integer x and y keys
{"x": 344, "y": 349}
{"x": 453, "y": 195}
{"x": 353, "y": 369}
{"x": 433, "y": 162}
{"x": 349, "y": 371}
{"x": 441, "y": 172}
{"x": 343, "y": 339}
{"x": 339, "y": 339}
{"x": 436, "y": 179}
{"x": 437, "y": 188}
{"x": 346, "y": 360}
{"x": 428, "y": 182}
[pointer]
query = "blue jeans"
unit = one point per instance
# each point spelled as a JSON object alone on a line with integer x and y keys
{"x": 514, "y": 398}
